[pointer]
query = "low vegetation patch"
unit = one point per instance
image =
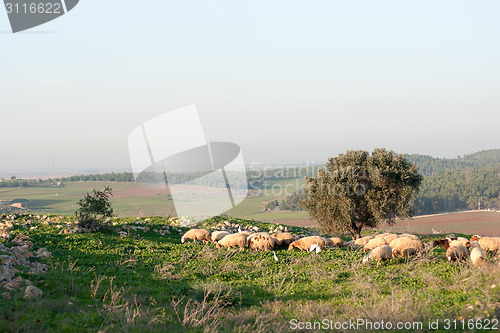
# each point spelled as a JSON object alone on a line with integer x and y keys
{"x": 137, "y": 276}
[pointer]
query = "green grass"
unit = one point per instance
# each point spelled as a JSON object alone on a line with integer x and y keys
{"x": 147, "y": 282}
{"x": 62, "y": 200}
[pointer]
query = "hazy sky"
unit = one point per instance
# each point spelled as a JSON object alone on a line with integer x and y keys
{"x": 289, "y": 81}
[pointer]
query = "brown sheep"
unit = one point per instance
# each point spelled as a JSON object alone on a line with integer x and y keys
{"x": 407, "y": 249}
{"x": 197, "y": 234}
{"x": 261, "y": 241}
{"x": 283, "y": 239}
{"x": 305, "y": 243}
{"x": 374, "y": 243}
{"x": 233, "y": 240}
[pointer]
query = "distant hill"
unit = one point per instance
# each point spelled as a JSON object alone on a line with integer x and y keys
{"x": 429, "y": 166}
{"x": 468, "y": 182}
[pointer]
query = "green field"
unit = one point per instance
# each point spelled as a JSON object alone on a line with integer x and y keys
{"x": 62, "y": 200}
{"x": 140, "y": 281}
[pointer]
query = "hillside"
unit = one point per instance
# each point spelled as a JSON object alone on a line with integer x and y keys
{"x": 138, "y": 277}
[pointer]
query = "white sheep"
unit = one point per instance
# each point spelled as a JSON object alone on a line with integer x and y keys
{"x": 197, "y": 234}
{"x": 374, "y": 243}
{"x": 398, "y": 241}
{"x": 305, "y": 243}
{"x": 389, "y": 238}
{"x": 380, "y": 253}
{"x": 487, "y": 243}
{"x": 459, "y": 240}
{"x": 218, "y": 235}
{"x": 383, "y": 235}
{"x": 233, "y": 240}
{"x": 414, "y": 237}
{"x": 477, "y": 255}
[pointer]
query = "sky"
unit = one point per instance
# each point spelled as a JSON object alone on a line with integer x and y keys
{"x": 290, "y": 82}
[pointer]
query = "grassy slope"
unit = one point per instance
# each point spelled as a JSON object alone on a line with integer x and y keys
{"x": 148, "y": 282}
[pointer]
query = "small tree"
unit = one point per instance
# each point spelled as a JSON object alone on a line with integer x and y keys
{"x": 93, "y": 208}
{"x": 357, "y": 190}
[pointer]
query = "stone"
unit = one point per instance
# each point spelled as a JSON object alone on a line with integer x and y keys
{"x": 21, "y": 252}
{"x": 32, "y": 292}
{"x": 6, "y": 295}
{"x": 43, "y": 253}
{"x": 14, "y": 284}
{"x": 6, "y": 274}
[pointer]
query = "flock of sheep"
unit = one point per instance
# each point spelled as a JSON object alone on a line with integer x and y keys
{"x": 380, "y": 247}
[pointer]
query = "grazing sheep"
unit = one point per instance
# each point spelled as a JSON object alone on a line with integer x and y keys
{"x": 407, "y": 249}
{"x": 441, "y": 242}
{"x": 487, "y": 243}
{"x": 457, "y": 252}
{"x": 379, "y": 253}
{"x": 459, "y": 240}
{"x": 477, "y": 255}
{"x": 383, "y": 235}
{"x": 233, "y": 240}
{"x": 400, "y": 240}
{"x": 414, "y": 237}
{"x": 261, "y": 241}
{"x": 218, "y": 235}
{"x": 197, "y": 234}
{"x": 362, "y": 241}
{"x": 374, "y": 243}
{"x": 283, "y": 239}
{"x": 389, "y": 238}
{"x": 246, "y": 233}
{"x": 334, "y": 242}
{"x": 305, "y": 243}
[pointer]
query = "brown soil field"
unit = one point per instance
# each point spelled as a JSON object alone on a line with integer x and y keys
{"x": 484, "y": 223}
{"x": 148, "y": 192}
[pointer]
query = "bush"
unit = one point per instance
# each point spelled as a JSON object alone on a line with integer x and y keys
{"x": 94, "y": 207}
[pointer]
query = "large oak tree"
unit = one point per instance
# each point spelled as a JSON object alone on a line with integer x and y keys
{"x": 358, "y": 189}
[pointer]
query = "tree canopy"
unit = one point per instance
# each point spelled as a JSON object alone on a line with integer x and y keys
{"x": 94, "y": 206}
{"x": 358, "y": 189}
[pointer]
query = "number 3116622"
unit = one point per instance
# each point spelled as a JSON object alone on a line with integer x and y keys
{"x": 33, "y": 8}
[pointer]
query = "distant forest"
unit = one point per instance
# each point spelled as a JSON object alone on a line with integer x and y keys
{"x": 468, "y": 182}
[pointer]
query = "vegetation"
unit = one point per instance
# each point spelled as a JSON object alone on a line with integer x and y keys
{"x": 93, "y": 208}
{"x": 361, "y": 190}
{"x": 14, "y": 182}
{"x": 133, "y": 279}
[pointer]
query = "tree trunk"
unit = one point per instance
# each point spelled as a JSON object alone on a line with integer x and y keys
{"x": 356, "y": 230}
